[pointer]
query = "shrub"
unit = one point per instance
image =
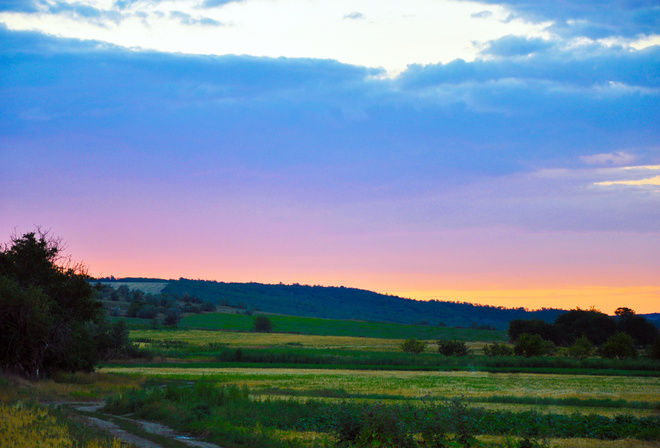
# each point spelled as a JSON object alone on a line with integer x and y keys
{"x": 581, "y": 348}
{"x": 497, "y": 349}
{"x": 262, "y": 324}
{"x": 172, "y": 316}
{"x": 452, "y": 348}
{"x": 413, "y": 346}
{"x": 620, "y": 345}
{"x": 529, "y": 345}
{"x": 653, "y": 350}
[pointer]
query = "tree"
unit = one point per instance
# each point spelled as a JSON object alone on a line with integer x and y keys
{"x": 529, "y": 345}
{"x": 172, "y": 316}
{"x": 517, "y": 327}
{"x": 262, "y": 324}
{"x": 452, "y": 348}
{"x": 413, "y": 346}
{"x": 593, "y": 324}
{"x": 48, "y": 313}
{"x": 641, "y": 330}
{"x": 581, "y": 348}
{"x": 620, "y": 345}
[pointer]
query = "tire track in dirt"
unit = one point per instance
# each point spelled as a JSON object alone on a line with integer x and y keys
{"x": 117, "y": 431}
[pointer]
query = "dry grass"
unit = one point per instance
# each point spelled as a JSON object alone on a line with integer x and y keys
{"x": 67, "y": 387}
{"x": 30, "y": 426}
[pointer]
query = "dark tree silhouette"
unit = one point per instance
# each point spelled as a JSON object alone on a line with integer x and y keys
{"x": 48, "y": 314}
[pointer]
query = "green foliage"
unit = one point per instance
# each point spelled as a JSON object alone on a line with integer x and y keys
{"x": 414, "y": 346}
{"x": 653, "y": 351}
{"x": 581, "y": 348}
{"x": 452, "y": 348}
{"x": 544, "y": 329}
{"x": 172, "y": 317}
{"x": 229, "y": 416}
{"x": 641, "y": 330}
{"x": 620, "y": 345}
{"x": 593, "y": 324}
{"x": 497, "y": 349}
{"x": 48, "y": 314}
{"x": 262, "y": 324}
{"x": 529, "y": 345}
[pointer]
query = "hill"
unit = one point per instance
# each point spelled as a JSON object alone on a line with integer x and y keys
{"x": 348, "y": 303}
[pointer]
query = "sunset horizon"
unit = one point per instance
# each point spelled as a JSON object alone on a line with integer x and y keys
{"x": 498, "y": 152}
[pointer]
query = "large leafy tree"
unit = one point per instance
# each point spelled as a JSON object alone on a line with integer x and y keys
{"x": 48, "y": 315}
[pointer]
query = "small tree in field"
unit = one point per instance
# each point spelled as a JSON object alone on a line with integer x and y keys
{"x": 452, "y": 348}
{"x": 581, "y": 348}
{"x": 414, "y": 346}
{"x": 262, "y": 324}
{"x": 529, "y": 345}
{"x": 620, "y": 345}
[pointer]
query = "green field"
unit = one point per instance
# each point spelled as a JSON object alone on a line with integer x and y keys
{"x": 314, "y": 381}
{"x": 331, "y": 327}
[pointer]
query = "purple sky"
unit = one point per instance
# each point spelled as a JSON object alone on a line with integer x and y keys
{"x": 516, "y": 163}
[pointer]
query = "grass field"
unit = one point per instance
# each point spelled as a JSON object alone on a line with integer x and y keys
{"x": 330, "y": 327}
{"x": 262, "y": 406}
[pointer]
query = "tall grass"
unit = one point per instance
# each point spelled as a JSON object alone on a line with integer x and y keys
{"x": 30, "y": 425}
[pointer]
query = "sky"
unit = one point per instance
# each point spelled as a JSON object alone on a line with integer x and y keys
{"x": 496, "y": 152}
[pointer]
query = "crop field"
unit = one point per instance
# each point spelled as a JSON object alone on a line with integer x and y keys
{"x": 419, "y": 384}
{"x": 330, "y": 327}
{"x": 199, "y": 338}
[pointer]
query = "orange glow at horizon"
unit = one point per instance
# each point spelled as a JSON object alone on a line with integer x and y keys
{"x": 642, "y": 299}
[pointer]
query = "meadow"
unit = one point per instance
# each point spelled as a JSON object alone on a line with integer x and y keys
{"x": 334, "y": 327}
{"x": 234, "y": 389}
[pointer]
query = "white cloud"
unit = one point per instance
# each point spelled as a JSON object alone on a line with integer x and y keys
{"x": 389, "y": 34}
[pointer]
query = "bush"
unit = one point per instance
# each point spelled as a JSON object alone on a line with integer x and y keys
{"x": 620, "y": 345}
{"x": 262, "y": 324}
{"x": 497, "y": 349}
{"x": 653, "y": 350}
{"x": 172, "y": 316}
{"x": 452, "y": 348}
{"x": 529, "y": 345}
{"x": 413, "y": 346}
{"x": 581, "y": 348}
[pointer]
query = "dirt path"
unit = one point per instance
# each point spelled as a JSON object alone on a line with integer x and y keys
{"x": 140, "y": 442}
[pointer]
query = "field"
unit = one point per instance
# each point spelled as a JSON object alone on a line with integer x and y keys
{"x": 332, "y": 327}
{"x": 244, "y": 389}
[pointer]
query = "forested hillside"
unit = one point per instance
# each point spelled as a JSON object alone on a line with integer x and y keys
{"x": 350, "y": 303}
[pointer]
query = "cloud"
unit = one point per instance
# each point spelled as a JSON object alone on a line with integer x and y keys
{"x": 593, "y": 19}
{"x": 619, "y": 158}
{"x": 458, "y": 139}
{"x": 482, "y": 14}
{"x": 187, "y": 19}
{"x": 508, "y": 46}
{"x": 216, "y": 3}
{"x": 354, "y": 16}
{"x": 651, "y": 181}
{"x": 587, "y": 66}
